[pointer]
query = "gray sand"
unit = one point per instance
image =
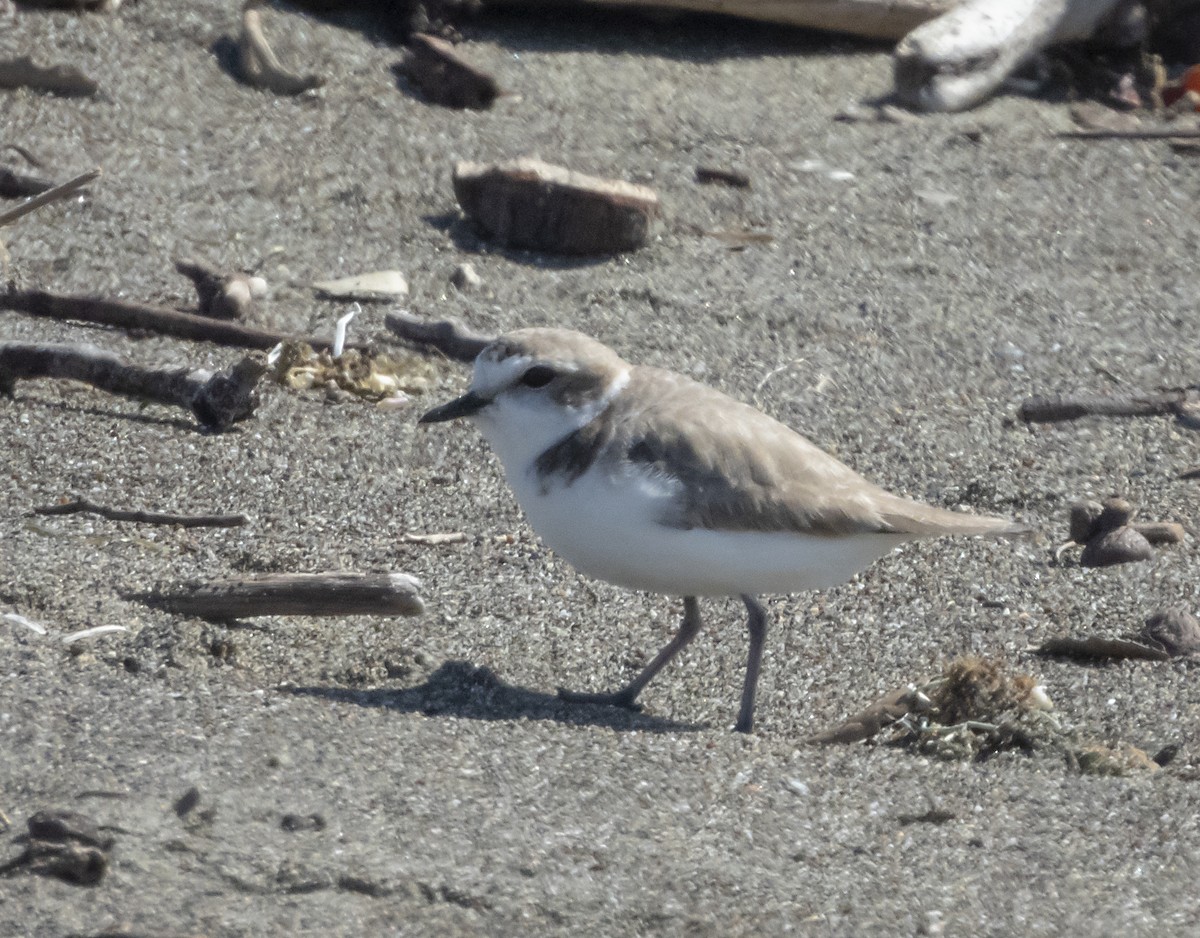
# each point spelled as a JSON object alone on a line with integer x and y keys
{"x": 898, "y": 318}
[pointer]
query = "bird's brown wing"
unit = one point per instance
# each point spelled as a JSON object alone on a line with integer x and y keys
{"x": 740, "y": 470}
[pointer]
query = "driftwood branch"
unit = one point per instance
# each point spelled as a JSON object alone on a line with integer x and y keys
{"x": 83, "y": 506}
{"x": 961, "y": 58}
{"x": 872, "y": 19}
{"x": 130, "y": 315}
{"x": 258, "y": 62}
{"x": 217, "y": 401}
{"x": 65, "y": 191}
{"x": 448, "y": 336}
{"x": 297, "y": 594}
{"x": 57, "y": 79}
{"x": 1062, "y": 407}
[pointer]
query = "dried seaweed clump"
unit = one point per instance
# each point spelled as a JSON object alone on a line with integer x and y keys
{"x": 978, "y": 707}
{"x": 365, "y": 374}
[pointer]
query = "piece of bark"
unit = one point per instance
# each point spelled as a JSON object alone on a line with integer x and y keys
{"x": 216, "y": 400}
{"x": 296, "y": 594}
{"x": 221, "y": 294}
{"x": 66, "y": 190}
{"x": 1062, "y": 407}
{"x": 63, "y": 80}
{"x": 83, "y": 506}
{"x": 959, "y": 59}
{"x": 448, "y": 336}
{"x": 532, "y": 205}
{"x": 882, "y": 713}
{"x": 127, "y": 314}
{"x": 445, "y": 76}
{"x": 1098, "y": 648}
{"x": 259, "y": 65}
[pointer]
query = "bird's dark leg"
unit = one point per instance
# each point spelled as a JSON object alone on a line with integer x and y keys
{"x": 757, "y": 626}
{"x": 626, "y": 696}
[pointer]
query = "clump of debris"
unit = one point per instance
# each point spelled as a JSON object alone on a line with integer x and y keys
{"x": 365, "y": 374}
{"x": 978, "y": 707}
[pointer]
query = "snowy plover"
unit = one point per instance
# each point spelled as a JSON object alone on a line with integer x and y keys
{"x": 652, "y": 481}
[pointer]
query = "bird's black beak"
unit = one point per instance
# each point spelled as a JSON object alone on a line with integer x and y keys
{"x": 470, "y": 403}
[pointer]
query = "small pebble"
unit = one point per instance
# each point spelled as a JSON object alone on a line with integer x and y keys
{"x": 465, "y": 278}
{"x": 1120, "y": 545}
{"x": 1175, "y": 631}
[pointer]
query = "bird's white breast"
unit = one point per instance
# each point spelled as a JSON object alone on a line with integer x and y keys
{"x": 606, "y": 525}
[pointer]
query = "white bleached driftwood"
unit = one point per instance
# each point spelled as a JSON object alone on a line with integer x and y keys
{"x": 953, "y": 54}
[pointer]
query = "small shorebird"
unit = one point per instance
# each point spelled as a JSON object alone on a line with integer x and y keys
{"x": 653, "y": 481}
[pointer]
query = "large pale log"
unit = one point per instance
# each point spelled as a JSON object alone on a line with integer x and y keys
{"x": 872, "y": 19}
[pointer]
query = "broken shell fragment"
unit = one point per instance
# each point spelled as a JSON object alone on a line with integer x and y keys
{"x": 528, "y": 204}
{"x": 1121, "y": 545}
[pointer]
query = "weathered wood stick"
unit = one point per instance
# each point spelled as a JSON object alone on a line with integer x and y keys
{"x": 217, "y": 401}
{"x": 1061, "y": 407}
{"x": 959, "y": 59}
{"x": 448, "y": 336}
{"x": 63, "y": 80}
{"x": 83, "y": 506}
{"x": 259, "y": 65}
{"x": 297, "y": 594}
{"x": 66, "y": 190}
{"x": 130, "y": 315}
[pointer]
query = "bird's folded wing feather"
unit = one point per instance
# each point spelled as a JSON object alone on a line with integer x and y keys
{"x": 738, "y": 469}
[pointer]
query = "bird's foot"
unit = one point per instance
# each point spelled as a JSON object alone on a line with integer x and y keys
{"x": 620, "y": 698}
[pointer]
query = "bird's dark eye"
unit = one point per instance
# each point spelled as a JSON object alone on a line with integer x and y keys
{"x": 538, "y": 376}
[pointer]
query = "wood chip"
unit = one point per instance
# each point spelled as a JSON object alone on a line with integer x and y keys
{"x": 377, "y": 286}
{"x": 445, "y": 76}
{"x": 532, "y": 205}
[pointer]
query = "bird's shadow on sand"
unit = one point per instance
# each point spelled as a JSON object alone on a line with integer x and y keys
{"x": 466, "y": 691}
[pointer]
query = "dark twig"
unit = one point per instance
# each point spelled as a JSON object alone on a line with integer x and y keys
{"x": 449, "y": 336}
{"x": 83, "y": 506}
{"x": 217, "y": 401}
{"x": 296, "y": 594}
{"x": 63, "y": 80}
{"x": 130, "y": 315}
{"x": 15, "y": 184}
{"x": 66, "y": 190}
{"x": 1060, "y": 407}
